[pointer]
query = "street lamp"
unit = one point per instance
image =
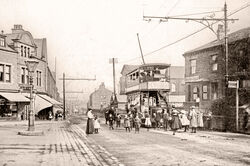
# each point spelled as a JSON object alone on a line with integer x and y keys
{"x": 31, "y": 65}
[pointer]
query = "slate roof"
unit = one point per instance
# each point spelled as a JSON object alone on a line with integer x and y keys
{"x": 128, "y": 68}
{"x": 238, "y": 35}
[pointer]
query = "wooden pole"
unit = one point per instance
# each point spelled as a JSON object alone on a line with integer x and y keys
{"x": 64, "y": 114}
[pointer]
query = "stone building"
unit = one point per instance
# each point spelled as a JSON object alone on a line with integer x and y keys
{"x": 205, "y": 69}
{"x": 100, "y": 98}
{"x": 15, "y": 48}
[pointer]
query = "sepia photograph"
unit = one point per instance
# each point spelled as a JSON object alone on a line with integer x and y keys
{"x": 124, "y": 82}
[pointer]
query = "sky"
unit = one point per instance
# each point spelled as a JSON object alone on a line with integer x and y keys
{"x": 82, "y": 35}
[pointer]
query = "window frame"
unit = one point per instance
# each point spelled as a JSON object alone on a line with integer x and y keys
{"x": 193, "y": 67}
{"x": 7, "y": 73}
{"x": 2, "y": 42}
{"x": 195, "y": 93}
{"x": 204, "y": 92}
{"x": 2, "y": 73}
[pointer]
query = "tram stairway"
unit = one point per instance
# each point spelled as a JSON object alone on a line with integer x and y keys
{"x": 162, "y": 100}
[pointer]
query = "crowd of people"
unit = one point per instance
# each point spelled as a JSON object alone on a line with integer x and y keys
{"x": 167, "y": 119}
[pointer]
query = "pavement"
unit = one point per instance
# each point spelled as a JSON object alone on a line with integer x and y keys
{"x": 62, "y": 144}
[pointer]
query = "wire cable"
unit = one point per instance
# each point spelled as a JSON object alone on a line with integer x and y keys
{"x": 170, "y": 44}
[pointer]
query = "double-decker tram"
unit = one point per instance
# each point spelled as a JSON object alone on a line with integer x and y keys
{"x": 148, "y": 87}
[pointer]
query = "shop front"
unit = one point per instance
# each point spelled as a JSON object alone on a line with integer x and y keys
{"x": 13, "y": 105}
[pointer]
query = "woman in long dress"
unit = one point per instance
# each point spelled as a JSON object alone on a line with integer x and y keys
{"x": 193, "y": 119}
{"x": 90, "y": 123}
{"x": 175, "y": 121}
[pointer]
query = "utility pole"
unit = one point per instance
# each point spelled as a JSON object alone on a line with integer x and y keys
{"x": 204, "y": 21}
{"x": 64, "y": 79}
{"x": 64, "y": 115}
{"x": 140, "y": 49}
{"x": 113, "y": 61}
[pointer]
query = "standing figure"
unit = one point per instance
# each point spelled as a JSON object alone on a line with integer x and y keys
{"x": 165, "y": 120}
{"x": 153, "y": 120}
{"x": 118, "y": 120}
{"x": 245, "y": 121}
{"x": 97, "y": 125}
{"x": 193, "y": 119}
{"x": 111, "y": 119}
{"x": 137, "y": 121}
{"x": 147, "y": 121}
{"x": 90, "y": 123}
{"x": 107, "y": 116}
{"x": 127, "y": 123}
{"x": 175, "y": 120}
{"x": 200, "y": 120}
{"x": 158, "y": 118}
{"x": 184, "y": 120}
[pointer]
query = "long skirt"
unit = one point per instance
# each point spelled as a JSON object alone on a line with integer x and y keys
{"x": 176, "y": 123}
{"x": 148, "y": 122}
{"x": 90, "y": 126}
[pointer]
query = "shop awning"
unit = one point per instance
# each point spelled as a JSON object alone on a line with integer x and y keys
{"x": 51, "y": 100}
{"x": 14, "y": 97}
{"x": 40, "y": 103}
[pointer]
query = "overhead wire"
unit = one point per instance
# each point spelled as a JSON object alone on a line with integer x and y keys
{"x": 185, "y": 37}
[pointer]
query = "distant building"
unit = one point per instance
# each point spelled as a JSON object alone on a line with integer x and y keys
{"x": 177, "y": 86}
{"x": 100, "y": 98}
{"x": 205, "y": 70}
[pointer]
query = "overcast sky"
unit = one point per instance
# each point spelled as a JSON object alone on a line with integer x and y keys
{"x": 84, "y": 34}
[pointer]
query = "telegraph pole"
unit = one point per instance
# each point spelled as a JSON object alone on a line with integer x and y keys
{"x": 113, "y": 61}
{"x": 64, "y": 115}
{"x": 207, "y": 24}
{"x": 64, "y": 79}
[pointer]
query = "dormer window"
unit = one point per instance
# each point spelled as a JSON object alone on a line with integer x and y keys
{"x": 2, "y": 42}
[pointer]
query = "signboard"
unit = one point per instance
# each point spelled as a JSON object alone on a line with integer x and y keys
{"x": 232, "y": 84}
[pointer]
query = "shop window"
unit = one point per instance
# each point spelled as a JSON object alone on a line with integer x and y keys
{"x": 204, "y": 92}
{"x": 7, "y": 73}
{"x": 1, "y": 72}
{"x": 195, "y": 93}
{"x": 193, "y": 66}
{"x": 2, "y": 42}
{"x": 214, "y": 86}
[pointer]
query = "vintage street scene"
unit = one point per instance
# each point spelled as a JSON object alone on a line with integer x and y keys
{"x": 124, "y": 83}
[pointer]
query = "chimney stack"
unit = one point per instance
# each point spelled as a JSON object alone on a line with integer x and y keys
{"x": 220, "y": 31}
{"x": 17, "y": 28}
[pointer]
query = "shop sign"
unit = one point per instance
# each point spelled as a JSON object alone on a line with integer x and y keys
{"x": 232, "y": 84}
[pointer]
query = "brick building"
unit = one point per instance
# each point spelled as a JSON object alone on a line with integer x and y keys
{"x": 177, "y": 86}
{"x": 100, "y": 98}
{"x": 15, "y": 49}
{"x": 205, "y": 69}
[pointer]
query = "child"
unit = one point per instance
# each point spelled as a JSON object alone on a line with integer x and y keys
{"x": 97, "y": 125}
{"x": 137, "y": 121}
{"x": 127, "y": 123}
{"x": 118, "y": 120}
{"x": 147, "y": 121}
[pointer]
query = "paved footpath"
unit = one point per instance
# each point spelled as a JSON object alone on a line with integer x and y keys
{"x": 62, "y": 144}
